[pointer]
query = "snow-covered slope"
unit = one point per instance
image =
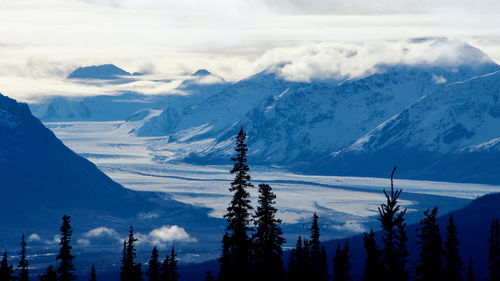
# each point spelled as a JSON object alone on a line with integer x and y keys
{"x": 452, "y": 132}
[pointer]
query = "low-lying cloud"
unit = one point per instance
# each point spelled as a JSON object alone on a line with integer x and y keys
{"x": 157, "y": 237}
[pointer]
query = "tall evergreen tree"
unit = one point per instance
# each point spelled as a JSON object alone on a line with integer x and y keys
{"x": 431, "y": 248}
{"x": 267, "y": 239}
{"x": 494, "y": 251}
{"x": 66, "y": 269}
{"x": 318, "y": 271}
{"x": 22, "y": 267}
{"x": 394, "y": 252}
{"x": 209, "y": 276}
{"x": 342, "y": 264}
{"x": 453, "y": 266}
{"x": 235, "y": 259}
{"x": 154, "y": 266}
{"x": 130, "y": 270}
{"x": 170, "y": 269}
{"x": 93, "y": 275}
{"x": 172, "y": 265}
{"x": 6, "y": 269}
{"x": 165, "y": 269}
{"x": 373, "y": 266}
{"x": 299, "y": 263}
{"x": 470, "y": 271}
{"x": 49, "y": 275}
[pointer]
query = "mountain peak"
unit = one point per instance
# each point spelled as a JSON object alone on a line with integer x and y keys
{"x": 104, "y": 71}
{"x": 201, "y": 72}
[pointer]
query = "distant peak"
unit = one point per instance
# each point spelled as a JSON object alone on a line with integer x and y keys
{"x": 201, "y": 72}
{"x": 104, "y": 71}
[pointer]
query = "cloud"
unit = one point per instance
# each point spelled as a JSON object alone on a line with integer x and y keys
{"x": 100, "y": 235}
{"x": 165, "y": 234}
{"x": 101, "y": 231}
{"x": 158, "y": 237}
{"x": 43, "y": 41}
{"x": 343, "y": 61}
{"x": 34, "y": 238}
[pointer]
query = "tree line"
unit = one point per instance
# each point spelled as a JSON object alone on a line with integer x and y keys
{"x": 253, "y": 238}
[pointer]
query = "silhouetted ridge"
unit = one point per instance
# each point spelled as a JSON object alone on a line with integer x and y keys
{"x": 105, "y": 71}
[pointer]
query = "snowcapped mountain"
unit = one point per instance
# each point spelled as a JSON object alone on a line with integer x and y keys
{"x": 42, "y": 180}
{"x": 105, "y": 71}
{"x": 419, "y": 109}
{"x": 96, "y": 108}
{"x": 218, "y": 111}
{"x": 121, "y": 106}
{"x": 39, "y": 172}
{"x": 453, "y": 131}
{"x": 295, "y": 124}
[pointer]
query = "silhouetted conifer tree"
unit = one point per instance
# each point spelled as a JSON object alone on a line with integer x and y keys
{"x": 431, "y": 248}
{"x": 453, "y": 266}
{"x": 209, "y": 276}
{"x": 291, "y": 275}
{"x": 235, "y": 259}
{"x": 22, "y": 267}
{"x": 66, "y": 269}
{"x": 470, "y": 271}
{"x": 169, "y": 270}
{"x": 494, "y": 251}
{"x": 172, "y": 265}
{"x": 130, "y": 271}
{"x": 323, "y": 265}
{"x": 299, "y": 263}
{"x": 49, "y": 275}
{"x": 373, "y": 266}
{"x": 154, "y": 266}
{"x": 394, "y": 252}
{"x": 342, "y": 264}
{"x": 5, "y": 269}
{"x": 318, "y": 270}
{"x": 93, "y": 275}
{"x": 267, "y": 239}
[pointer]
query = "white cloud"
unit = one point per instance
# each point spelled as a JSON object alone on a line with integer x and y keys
{"x": 159, "y": 236}
{"x": 101, "y": 231}
{"x": 43, "y": 41}
{"x": 165, "y": 234}
{"x": 34, "y": 238}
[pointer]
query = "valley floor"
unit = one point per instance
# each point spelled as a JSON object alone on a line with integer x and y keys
{"x": 345, "y": 205}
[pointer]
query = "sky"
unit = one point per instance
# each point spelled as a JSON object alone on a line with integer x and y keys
{"x": 41, "y": 42}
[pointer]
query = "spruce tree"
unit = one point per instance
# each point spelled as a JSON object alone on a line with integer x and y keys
{"x": 130, "y": 271}
{"x": 373, "y": 266}
{"x": 49, "y": 275}
{"x": 165, "y": 269}
{"x": 342, "y": 264}
{"x": 154, "y": 266}
{"x": 453, "y": 266}
{"x": 22, "y": 267}
{"x": 470, "y": 271}
{"x": 494, "y": 251}
{"x": 172, "y": 266}
{"x": 299, "y": 263}
{"x": 66, "y": 269}
{"x": 291, "y": 274}
{"x": 268, "y": 238}
{"x": 318, "y": 270}
{"x": 394, "y": 252}
{"x": 209, "y": 276}
{"x": 431, "y": 248}
{"x": 5, "y": 269}
{"x": 235, "y": 259}
{"x": 93, "y": 275}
